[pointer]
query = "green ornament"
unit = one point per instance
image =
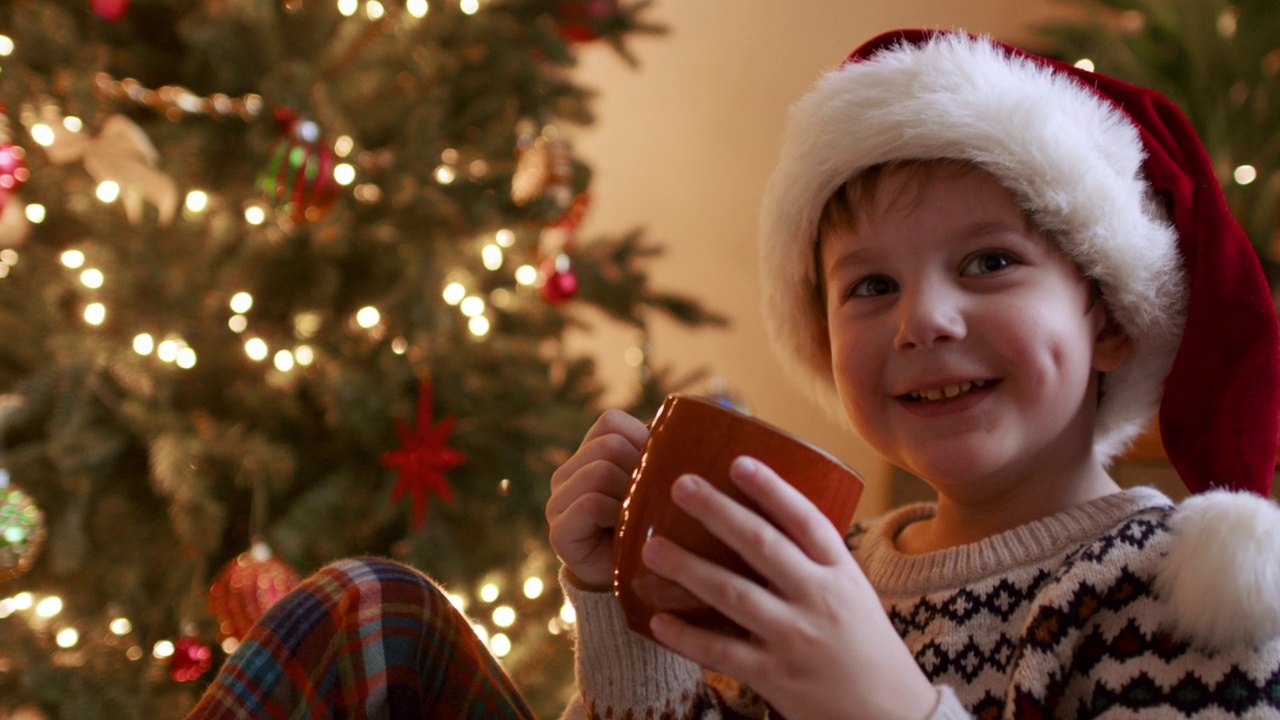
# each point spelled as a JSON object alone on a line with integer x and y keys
{"x": 22, "y": 530}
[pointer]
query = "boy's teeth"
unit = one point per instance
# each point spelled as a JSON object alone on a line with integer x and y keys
{"x": 948, "y": 391}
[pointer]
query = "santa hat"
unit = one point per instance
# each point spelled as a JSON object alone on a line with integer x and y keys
{"x": 1118, "y": 178}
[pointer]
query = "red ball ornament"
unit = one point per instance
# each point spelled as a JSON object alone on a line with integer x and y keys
{"x": 13, "y": 167}
{"x": 556, "y": 282}
{"x": 584, "y": 20}
{"x": 109, "y": 10}
{"x": 298, "y": 178}
{"x": 191, "y": 659}
{"x": 246, "y": 587}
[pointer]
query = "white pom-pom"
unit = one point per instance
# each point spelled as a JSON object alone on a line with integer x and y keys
{"x": 1220, "y": 581}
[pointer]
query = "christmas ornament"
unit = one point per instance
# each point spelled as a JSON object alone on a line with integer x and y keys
{"x": 109, "y": 10}
{"x": 22, "y": 530}
{"x": 121, "y": 153}
{"x": 13, "y": 167}
{"x": 298, "y": 178}
{"x": 556, "y": 282}
{"x": 14, "y": 225}
{"x": 191, "y": 659}
{"x": 246, "y": 587}
{"x": 543, "y": 166}
{"x": 584, "y": 20}
{"x": 423, "y": 458}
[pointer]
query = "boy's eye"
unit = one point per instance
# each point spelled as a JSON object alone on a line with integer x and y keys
{"x": 987, "y": 261}
{"x": 873, "y": 286}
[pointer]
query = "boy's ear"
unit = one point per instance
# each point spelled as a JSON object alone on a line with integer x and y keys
{"x": 1112, "y": 344}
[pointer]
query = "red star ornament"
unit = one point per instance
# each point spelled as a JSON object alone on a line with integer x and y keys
{"x": 423, "y": 458}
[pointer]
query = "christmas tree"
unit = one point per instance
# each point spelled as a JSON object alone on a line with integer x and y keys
{"x": 284, "y": 281}
{"x": 1219, "y": 62}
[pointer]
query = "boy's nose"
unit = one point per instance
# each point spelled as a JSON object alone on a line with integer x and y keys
{"x": 928, "y": 316}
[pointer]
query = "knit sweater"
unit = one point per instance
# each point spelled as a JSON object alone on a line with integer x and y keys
{"x": 1056, "y": 618}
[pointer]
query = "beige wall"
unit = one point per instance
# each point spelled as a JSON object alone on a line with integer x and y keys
{"x": 683, "y": 146}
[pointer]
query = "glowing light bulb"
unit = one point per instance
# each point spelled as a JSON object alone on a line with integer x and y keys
{"x": 343, "y": 146}
{"x": 504, "y": 616}
{"x": 256, "y": 349}
{"x": 72, "y": 259}
{"x": 445, "y": 175}
{"x": 1085, "y": 64}
{"x": 95, "y": 313}
{"x": 162, "y": 649}
{"x": 304, "y": 355}
{"x": 35, "y": 213}
{"x": 23, "y": 601}
{"x": 470, "y": 7}
{"x": 121, "y": 626}
{"x": 283, "y": 360}
{"x": 533, "y": 588}
{"x": 344, "y": 173}
{"x": 454, "y": 293}
{"x": 143, "y": 343}
{"x": 92, "y": 278}
{"x": 67, "y": 637}
{"x": 186, "y": 358}
{"x": 197, "y": 201}
{"x": 6, "y": 45}
{"x": 108, "y": 191}
{"x": 348, "y": 7}
{"x": 368, "y": 317}
{"x": 526, "y": 274}
{"x": 491, "y": 255}
{"x": 73, "y": 123}
{"x": 49, "y": 606}
{"x": 42, "y": 134}
{"x": 567, "y": 614}
{"x": 241, "y": 302}
{"x": 505, "y": 238}
{"x": 255, "y": 215}
{"x": 417, "y": 8}
{"x": 479, "y": 326}
{"x": 489, "y": 592}
{"x": 500, "y": 644}
{"x": 1245, "y": 174}
{"x": 472, "y": 306}
{"x": 167, "y": 350}
{"x": 238, "y": 323}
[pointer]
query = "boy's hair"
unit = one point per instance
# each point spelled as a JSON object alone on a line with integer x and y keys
{"x": 1112, "y": 173}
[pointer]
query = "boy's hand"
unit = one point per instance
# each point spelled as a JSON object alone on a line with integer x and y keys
{"x": 587, "y": 493}
{"x": 821, "y": 645}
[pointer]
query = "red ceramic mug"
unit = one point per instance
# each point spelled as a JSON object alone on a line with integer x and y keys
{"x": 694, "y": 435}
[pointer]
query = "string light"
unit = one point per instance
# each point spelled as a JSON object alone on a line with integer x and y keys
{"x": 470, "y": 7}
{"x": 255, "y": 215}
{"x": 197, "y": 201}
{"x": 283, "y": 360}
{"x": 72, "y": 259}
{"x": 344, "y": 173}
{"x": 6, "y": 45}
{"x": 108, "y": 191}
{"x": 162, "y": 649}
{"x": 173, "y": 101}
{"x": 241, "y": 302}
{"x": 35, "y": 213}
{"x": 143, "y": 343}
{"x": 567, "y": 614}
{"x": 454, "y": 293}
{"x": 500, "y": 645}
{"x": 92, "y": 278}
{"x": 67, "y": 637}
{"x": 489, "y": 592}
{"x": 368, "y": 317}
{"x": 186, "y": 358}
{"x": 479, "y": 326}
{"x": 304, "y": 355}
{"x": 417, "y": 8}
{"x": 1245, "y": 174}
{"x": 504, "y": 616}
{"x": 95, "y": 313}
{"x": 505, "y": 238}
{"x": 73, "y": 123}
{"x": 1085, "y": 64}
{"x": 526, "y": 274}
{"x": 348, "y": 7}
{"x": 472, "y": 306}
{"x": 238, "y": 323}
{"x": 343, "y": 146}
{"x": 49, "y": 606}
{"x": 491, "y": 255}
{"x": 533, "y": 588}
{"x": 399, "y": 346}
{"x": 445, "y": 175}
{"x": 374, "y": 10}
{"x": 167, "y": 350}
{"x": 121, "y": 626}
{"x": 42, "y": 134}
{"x": 256, "y": 349}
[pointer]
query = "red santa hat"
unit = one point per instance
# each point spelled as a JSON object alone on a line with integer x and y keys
{"x": 1113, "y": 172}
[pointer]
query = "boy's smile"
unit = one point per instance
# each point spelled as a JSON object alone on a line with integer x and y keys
{"x": 963, "y": 342}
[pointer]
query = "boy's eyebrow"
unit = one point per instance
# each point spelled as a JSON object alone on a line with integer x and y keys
{"x": 853, "y": 256}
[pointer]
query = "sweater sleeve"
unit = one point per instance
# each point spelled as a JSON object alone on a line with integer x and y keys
{"x": 623, "y": 675}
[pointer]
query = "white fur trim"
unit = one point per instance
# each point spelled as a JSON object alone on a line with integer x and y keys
{"x": 1062, "y": 149}
{"x": 1220, "y": 581}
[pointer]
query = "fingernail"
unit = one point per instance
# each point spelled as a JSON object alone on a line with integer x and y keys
{"x": 684, "y": 487}
{"x": 745, "y": 464}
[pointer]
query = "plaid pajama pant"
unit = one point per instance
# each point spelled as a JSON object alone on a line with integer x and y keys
{"x": 363, "y": 639}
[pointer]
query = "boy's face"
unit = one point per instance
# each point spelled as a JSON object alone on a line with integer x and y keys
{"x": 964, "y": 344}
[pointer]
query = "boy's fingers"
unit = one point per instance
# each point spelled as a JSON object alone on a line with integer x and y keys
{"x": 596, "y": 476}
{"x": 793, "y": 513}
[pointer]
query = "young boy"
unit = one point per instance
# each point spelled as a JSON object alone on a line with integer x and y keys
{"x": 996, "y": 267}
